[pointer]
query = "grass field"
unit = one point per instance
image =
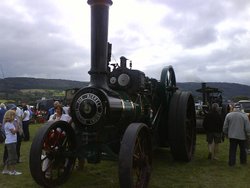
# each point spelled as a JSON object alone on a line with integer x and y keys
{"x": 199, "y": 173}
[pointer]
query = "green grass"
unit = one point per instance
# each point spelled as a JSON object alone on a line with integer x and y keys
{"x": 199, "y": 173}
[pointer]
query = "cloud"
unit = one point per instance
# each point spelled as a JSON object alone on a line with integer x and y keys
{"x": 203, "y": 41}
{"x": 34, "y": 44}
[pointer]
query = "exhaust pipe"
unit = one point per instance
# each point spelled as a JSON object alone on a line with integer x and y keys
{"x": 99, "y": 42}
{"x": 204, "y": 99}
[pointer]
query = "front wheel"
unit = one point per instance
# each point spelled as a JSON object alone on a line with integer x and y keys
{"x": 52, "y": 154}
{"x": 135, "y": 157}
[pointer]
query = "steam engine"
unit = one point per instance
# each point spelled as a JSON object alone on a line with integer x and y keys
{"x": 114, "y": 98}
{"x": 117, "y": 117}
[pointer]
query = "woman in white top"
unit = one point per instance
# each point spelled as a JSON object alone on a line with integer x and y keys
{"x": 59, "y": 115}
{"x": 26, "y": 122}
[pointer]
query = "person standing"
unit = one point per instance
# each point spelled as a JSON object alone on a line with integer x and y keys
{"x": 213, "y": 124}
{"x": 2, "y": 112}
{"x": 237, "y": 129}
{"x": 26, "y": 122}
{"x": 18, "y": 125}
{"x": 10, "y": 143}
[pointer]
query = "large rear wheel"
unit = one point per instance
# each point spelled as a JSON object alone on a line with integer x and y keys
{"x": 182, "y": 126}
{"x": 52, "y": 154}
{"x": 135, "y": 157}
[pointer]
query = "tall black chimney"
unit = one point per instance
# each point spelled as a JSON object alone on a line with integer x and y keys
{"x": 204, "y": 95}
{"x": 99, "y": 42}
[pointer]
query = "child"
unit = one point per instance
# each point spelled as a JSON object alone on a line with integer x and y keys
{"x": 10, "y": 142}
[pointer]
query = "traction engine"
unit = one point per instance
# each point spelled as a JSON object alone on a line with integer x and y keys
{"x": 121, "y": 116}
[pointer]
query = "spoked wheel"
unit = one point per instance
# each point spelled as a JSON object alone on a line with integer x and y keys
{"x": 52, "y": 154}
{"x": 135, "y": 157}
{"x": 168, "y": 78}
{"x": 182, "y": 126}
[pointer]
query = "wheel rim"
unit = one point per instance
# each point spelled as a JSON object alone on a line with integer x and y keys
{"x": 135, "y": 158}
{"x": 52, "y": 154}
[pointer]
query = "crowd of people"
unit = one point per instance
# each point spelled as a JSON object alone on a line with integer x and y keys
{"x": 14, "y": 121}
{"x": 235, "y": 127}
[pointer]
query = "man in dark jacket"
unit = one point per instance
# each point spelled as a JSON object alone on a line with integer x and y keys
{"x": 213, "y": 124}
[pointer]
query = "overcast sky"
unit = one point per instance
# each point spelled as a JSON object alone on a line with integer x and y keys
{"x": 205, "y": 41}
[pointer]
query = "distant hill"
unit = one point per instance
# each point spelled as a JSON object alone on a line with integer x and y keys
{"x": 229, "y": 90}
{"x": 17, "y": 83}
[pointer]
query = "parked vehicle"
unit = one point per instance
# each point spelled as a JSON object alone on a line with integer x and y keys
{"x": 245, "y": 105}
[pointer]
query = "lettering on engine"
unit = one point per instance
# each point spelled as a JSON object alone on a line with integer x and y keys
{"x": 89, "y": 108}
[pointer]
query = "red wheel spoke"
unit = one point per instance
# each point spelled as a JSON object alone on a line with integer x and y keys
{"x": 52, "y": 154}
